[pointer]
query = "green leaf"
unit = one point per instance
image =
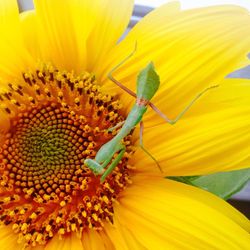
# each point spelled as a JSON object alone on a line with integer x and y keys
{"x": 223, "y": 184}
{"x": 184, "y": 179}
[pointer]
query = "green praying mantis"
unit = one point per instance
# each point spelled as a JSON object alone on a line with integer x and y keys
{"x": 147, "y": 85}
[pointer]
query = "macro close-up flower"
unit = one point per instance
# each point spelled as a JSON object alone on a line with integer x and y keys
{"x": 57, "y": 105}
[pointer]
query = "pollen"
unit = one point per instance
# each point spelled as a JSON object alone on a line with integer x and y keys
{"x": 56, "y": 121}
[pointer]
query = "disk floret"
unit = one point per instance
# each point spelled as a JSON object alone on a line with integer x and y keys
{"x": 55, "y": 121}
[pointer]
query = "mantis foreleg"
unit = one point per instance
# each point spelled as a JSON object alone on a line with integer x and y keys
{"x": 113, "y": 164}
{"x": 118, "y": 125}
{"x": 94, "y": 166}
{"x": 144, "y": 149}
{"x": 97, "y": 166}
{"x": 107, "y": 161}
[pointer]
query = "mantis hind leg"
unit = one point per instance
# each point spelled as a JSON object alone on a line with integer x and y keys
{"x": 184, "y": 111}
{"x": 118, "y": 125}
{"x": 144, "y": 149}
{"x": 114, "y": 163}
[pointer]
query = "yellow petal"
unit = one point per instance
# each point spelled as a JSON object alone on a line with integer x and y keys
{"x": 28, "y": 26}
{"x": 213, "y": 136}
{"x": 9, "y": 18}
{"x": 62, "y": 29}
{"x": 164, "y": 214}
{"x": 191, "y": 49}
{"x": 78, "y": 34}
{"x": 14, "y": 57}
{"x": 112, "y": 19}
{"x": 122, "y": 237}
{"x": 93, "y": 239}
{"x": 69, "y": 242}
{"x": 8, "y": 240}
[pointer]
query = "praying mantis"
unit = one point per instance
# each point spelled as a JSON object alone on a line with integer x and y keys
{"x": 147, "y": 85}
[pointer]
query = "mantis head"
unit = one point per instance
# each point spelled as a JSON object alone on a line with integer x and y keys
{"x": 148, "y": 82}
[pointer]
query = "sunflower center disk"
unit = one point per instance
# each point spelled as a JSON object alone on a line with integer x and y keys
{"x": 57, "y": 120}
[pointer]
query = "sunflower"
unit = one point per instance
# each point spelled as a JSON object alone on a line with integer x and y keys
{"x": 56, "y": 105}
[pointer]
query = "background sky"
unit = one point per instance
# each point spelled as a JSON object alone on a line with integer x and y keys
{"x": 187, "y": 4}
